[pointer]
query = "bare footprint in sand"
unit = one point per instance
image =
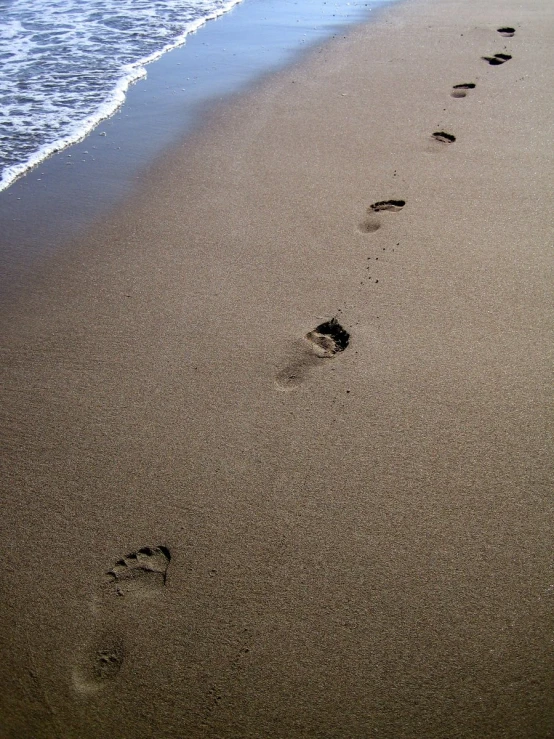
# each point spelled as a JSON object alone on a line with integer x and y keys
{"x": 496, "y": 59}
{"x": 138, "y": 574}
{"x": 323, "y": 343}
{"x": 460, "y": 91}
{"x": 144, "y": 569}
{"x": 372, "y": 224}
{"x": 328, "y": 338}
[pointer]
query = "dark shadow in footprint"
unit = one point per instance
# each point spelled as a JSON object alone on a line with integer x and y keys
{"x": 369, "y": 226}
{"x": 391, "y": 205}
{"x": 329, "y": 338}
{"x": 497, "y": 59}
{"x": 460, "y": 91}
{"x": 324, "y": 342}
{"x": 144, "y": 568}
{"x": 443, "y": 137}
{"x": 506, "y": 31}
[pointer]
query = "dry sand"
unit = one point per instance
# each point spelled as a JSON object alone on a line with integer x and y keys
{"x": 346, "y": 546}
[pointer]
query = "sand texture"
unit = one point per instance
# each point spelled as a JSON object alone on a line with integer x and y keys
{"x": 277, "y": 430}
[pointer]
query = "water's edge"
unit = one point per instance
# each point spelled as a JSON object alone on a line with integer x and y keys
{"x": 72, "y": 188}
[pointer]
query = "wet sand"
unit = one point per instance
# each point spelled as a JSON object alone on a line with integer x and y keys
{"x": 277, "y": 429}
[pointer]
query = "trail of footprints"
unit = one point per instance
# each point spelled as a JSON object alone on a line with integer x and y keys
{"x": 145, "y": 570}
{"x": 330, "y": 338}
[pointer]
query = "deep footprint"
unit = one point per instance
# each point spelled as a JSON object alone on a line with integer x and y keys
{"x": 506, "y": 31}
{"x": 325, "y": 341}
{"x": 497, "y": 59}
{"x": 460, "y": 91}
{"x": 390, "y": 205}
{"x": 443, "y": 137}
{"x": 145, "y": 567}
{"x": 329, "y": 338}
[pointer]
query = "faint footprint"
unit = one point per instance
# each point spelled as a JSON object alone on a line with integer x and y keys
{"x": 324, "y": 342}
{"x": 369, "y": 226}
{"x": 506, "y": 31}
{"x": 443, "y": 137}
{"x": 496, "y": 59}
{"x": 108, "y": 661}
{"x": 460, "y": 91}
{"x": 100, "y": 664}
{"x": 140, "y": 573}
{"x": 297, "y": 370}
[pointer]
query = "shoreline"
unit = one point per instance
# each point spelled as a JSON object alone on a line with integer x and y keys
{"x": 227, "y": 518}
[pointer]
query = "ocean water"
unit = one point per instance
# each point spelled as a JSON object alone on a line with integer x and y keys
{"x": 66, "y": 64}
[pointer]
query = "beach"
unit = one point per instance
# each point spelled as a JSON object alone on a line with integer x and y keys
{"x": 278, "y": 425}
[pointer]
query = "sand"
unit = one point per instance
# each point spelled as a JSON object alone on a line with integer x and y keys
{"x": 224, "y": 518}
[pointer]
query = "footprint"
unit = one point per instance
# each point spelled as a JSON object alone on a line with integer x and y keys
{"x": 141, "y": 573}
{"x": 460, "y": 91}
{"x": 329, "y": 338}
{"x": 99, "y": 665}
{"x": 393, "y": 205}
{"x": 443, "y": 137}
{"x": 497, "y": 59}
{"x": 296, "y": 372}
{"x": 372, "y": 224}
{"x": 107, "y": 662}
{"x": 322, "y": 343}
{"x": 145, "y": 568}
{"x": 369, "y": 226}
{"x": 506, "y": 31}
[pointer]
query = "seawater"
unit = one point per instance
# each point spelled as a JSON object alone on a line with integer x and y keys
{"x": 66, "y": 64}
